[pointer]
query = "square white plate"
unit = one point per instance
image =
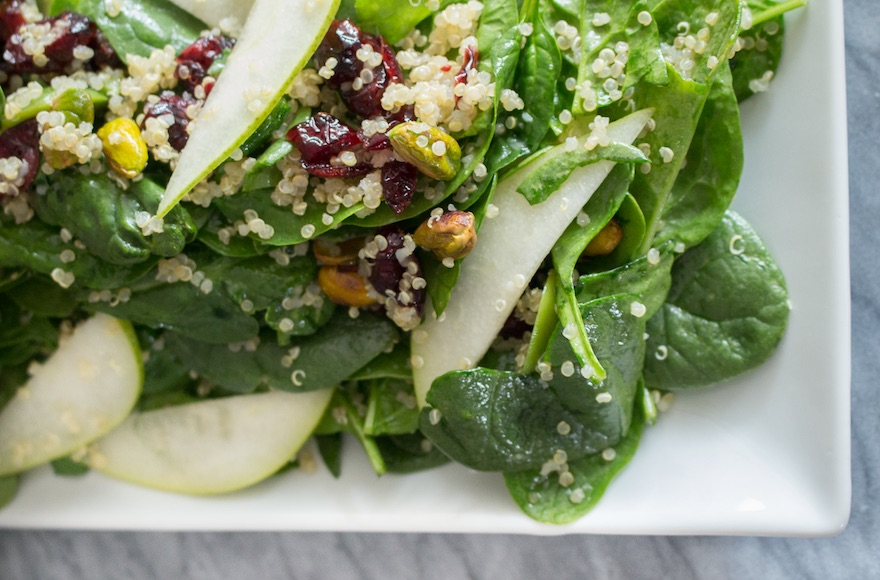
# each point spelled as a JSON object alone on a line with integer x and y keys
{"x": 768, "y": 454}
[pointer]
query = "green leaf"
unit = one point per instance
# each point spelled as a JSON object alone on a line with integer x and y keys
{"x": 270, "y": 124}
{"x": 67, "y": 467}
{"x": 8, "y": 489}
{"x": 391, "y": 408}
{"x": 726, "y": 311}
{"x": 409, "y": 453}
{"x": 542, "y": 497}
{"x": 141, "y": 26}
{"x": 392, "y": 19}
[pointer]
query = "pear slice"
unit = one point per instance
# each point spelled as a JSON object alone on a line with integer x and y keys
{"x": 83, "y": 390}
{"x": 212, "y": 12}
{"x": 277, "y": 41}
{"x": 212, "y": 446}
{"x": 509, "y": 250}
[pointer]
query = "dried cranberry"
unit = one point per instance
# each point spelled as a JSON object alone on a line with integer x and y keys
{"x": 195, "y": 60}
{"x": 23, "y": 141}
{"x": 388, "y": 271}
{"x": 514, "y": 327}
{"x": 11, "y": 18}
{"x": 105, "y": 56}
{"x": 320, "y": 139}
{"x": 399, "y": 184}
{"x": 342, "y": 42}
{"x": 175, "y": 105}
{"x": 74, "y": 30}
{"x": 470, "y": 60}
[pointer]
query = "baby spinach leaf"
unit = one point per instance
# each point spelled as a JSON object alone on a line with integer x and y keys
{"x": 544, "y": 497}
{"x": 238, "y": 246}
{"x": 103, "y": 216}
{"x": 43, "y": 296}
{"x": 260, "y": 279}
{"x": 67, "y": 467}
{"x": 706, "y": 184}
{"x": 319, "y": 361}
{"x": 502, "y": 421}
{"x": 140, "y": 27}
{"x": 648, "y": 281}
{"x": 644, "y": 58}
{"x": 409, "y": 453}
{"x": 726, "y": 311}
{"x": 8, "y": 489}
{"x": 263, "y": 133}
{"x": 388, "y": 365}
{"x": 549, "y": 175}
{"x": 631, "y": 220}
{"x": 392, "y": 19}
{"x": 391, "y": 407}
{"x": 330, "y": 448}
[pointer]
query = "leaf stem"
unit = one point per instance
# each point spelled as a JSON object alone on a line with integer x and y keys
{"x": 777, "y": 10}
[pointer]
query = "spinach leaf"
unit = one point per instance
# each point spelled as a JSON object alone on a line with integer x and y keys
{"x": 644, "y": 59}
{"x": 263, "y": 132}
{"x": 8, "y": 489}
{"x": 347, "y": 343}
{"x": 706, "y": 184}
{"x": 43, "y": 296}
{"x": 388, "y": 365}
{"x": 646, "y": 279}
{"x": 238, "y": 246}
{"x": 345, "y": 415}
{"x": 104, "y": 216}
{"x": 67, "y": 467}
{"x": 409, "y": 453}
{"x": 330, "y": 448}
{"x": 631, "y": 220}
{"x": 563, "y": 493}
{"x": 392, "y": 19}
{"x": 502, "y": 421}
{"x": 726, "y": 311}
{"x": 140, "y": 27}
{"x": 391, "y": 408}
{"x": 549, "y": 176}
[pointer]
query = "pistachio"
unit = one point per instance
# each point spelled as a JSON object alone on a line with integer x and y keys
{"x": 606, "y": 240}
{"x": 344, "y": 286}
{"x": 123, "y": 146}
{"x": 450, "y": 235}
{"x": 329, "y": 253}
{"x": 77, "y": 106}
{"x": 432, "y": 151}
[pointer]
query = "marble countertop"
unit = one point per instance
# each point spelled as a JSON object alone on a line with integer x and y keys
{"x": 852, "y": 554}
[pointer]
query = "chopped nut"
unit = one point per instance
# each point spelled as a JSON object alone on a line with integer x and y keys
{"x": 606, "y": 240}
{"x": 344, "y": 286}
{"x": 123, "y": 146}
{"x": 329, "y": 253}
{"x": 432, "y": 151}
{"x": 451, "y": 235}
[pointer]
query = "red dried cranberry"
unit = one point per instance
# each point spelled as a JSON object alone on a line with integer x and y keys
{"x": 388, "y": 271}
{"x": 11, "y": 18}
{"x": 105, "y": 56}
{"x": 195, "y": 60}
{"x": 175, "y": 105}
{"x": 342, "y": 42}
{"x": 77, "y": 30}
{"x": 23, "y": 141}
{"x": 320, "y": 139}
{"x": 514, "y": 327}
{"x": 399, "y": 184}
{"x": 470, "y": 61}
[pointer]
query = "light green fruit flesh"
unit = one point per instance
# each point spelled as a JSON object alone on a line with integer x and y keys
{"x": 510, "y": 248}
{"x": 213, "y": 446}
{"x": 83, "y": 390}
{"x": 265, "y": 60}
{"x": 212, "y": 12}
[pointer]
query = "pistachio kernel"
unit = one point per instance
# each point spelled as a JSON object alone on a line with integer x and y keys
{"x": 124, "y": 147}
{"x": 431, "y": 150}
{"x": 606, "y": 240}
{"x": 344, "y": 286}
{"x": 450, "y": 235}
{"x": 330, "y": 253}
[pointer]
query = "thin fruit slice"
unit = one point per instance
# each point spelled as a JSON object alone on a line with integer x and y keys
{"x": 86, "y": 387}
{"x": 212, "y": 12}
{"x": 278, "y": 39}
{"x": 214, "y": 446}
{"x": 510, "y": 249}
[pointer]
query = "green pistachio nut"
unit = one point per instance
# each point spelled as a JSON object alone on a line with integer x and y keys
{"x": 77, "y": 106}
{"x": 450, "y": 235}
{"x": 431, "y": 150}
{"x": 124, "y": 147}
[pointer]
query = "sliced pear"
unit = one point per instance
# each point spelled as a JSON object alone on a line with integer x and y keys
{"x": 510, "y": 249}
{"x": 85, "y": 388}
{"x": 277, "y": 41}
{"x": 213, "y": 446}
{"x": 212, "y": 12}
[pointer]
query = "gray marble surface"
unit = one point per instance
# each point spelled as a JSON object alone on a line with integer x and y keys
{"x": 852, "y": 554}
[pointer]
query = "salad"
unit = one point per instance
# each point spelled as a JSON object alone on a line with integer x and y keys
{"x": 490, "y": 232}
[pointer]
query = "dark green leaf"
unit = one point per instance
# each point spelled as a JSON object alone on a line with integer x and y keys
{"x": 65, "y": 466}
{"x": 391, "y": 408}
{"x": 409, "y": 453}
{"x": 8, "y": 489}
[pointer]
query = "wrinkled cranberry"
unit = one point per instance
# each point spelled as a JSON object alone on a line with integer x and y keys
{"x": 78, "y": 31}
{"x": 175, "y": 105}
{"x": 399, "y": 184}
{"x": 375, "y": 142}
{"x": 320, "y": 139}
{"x": 470, "y": 60}
{"x": 342, "y": 42}
{"x": 388, "y": 271}
{"x": 11, "y": 18}
{"x": 23, "y": 141}
{"x": 514, "y": 327}
{"x": 195, "y": 60}
{"x": 105, "y": 56}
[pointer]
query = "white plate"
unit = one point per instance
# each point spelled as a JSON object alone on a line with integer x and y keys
{"x": 767, "y": 454}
